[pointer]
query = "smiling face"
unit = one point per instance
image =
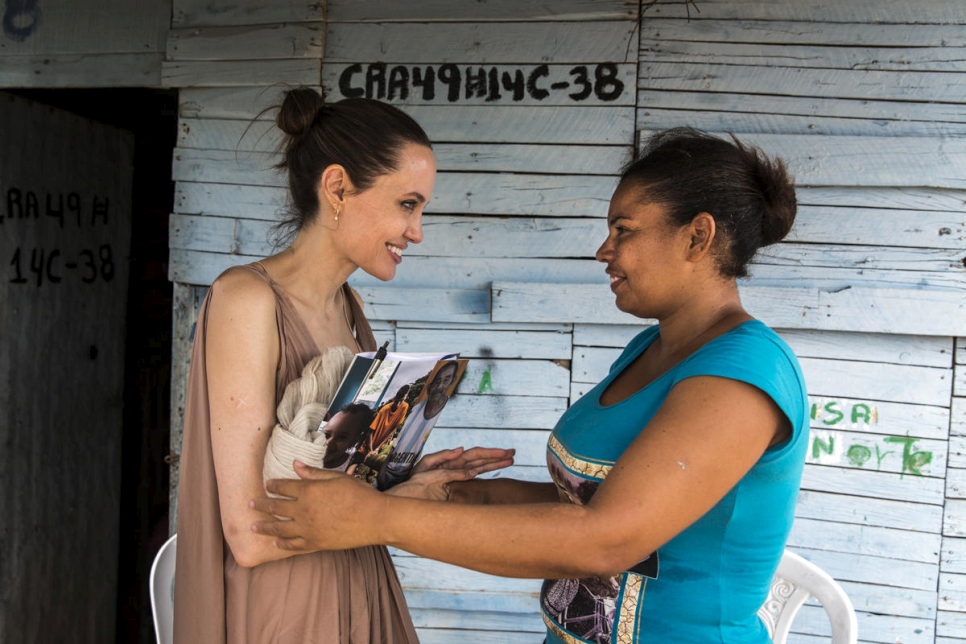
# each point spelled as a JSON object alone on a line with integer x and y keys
{"x": 376, "y": 225}
{"x": 645, "y": 255}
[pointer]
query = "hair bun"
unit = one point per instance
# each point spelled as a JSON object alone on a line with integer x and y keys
{"x": 778, "y": 193}
{"x": 298, "y": 111}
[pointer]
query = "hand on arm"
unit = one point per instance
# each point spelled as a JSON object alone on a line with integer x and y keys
{"x": 706, "y": 436}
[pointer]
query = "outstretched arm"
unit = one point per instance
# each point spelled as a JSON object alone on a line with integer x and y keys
{"x": 708, "y": 433}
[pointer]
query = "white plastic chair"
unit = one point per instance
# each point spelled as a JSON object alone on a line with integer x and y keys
{"x": 162, "y": 591}
{"x": 798, "y": 579}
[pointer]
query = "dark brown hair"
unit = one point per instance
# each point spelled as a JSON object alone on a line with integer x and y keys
{"x": 363, "y": 135}
{"x": 751, "y": 197}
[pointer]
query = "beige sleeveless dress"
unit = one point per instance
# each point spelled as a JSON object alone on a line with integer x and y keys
{"x": 331, "y": 597}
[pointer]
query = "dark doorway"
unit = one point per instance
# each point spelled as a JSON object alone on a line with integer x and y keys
{"x": 151, "y": 115}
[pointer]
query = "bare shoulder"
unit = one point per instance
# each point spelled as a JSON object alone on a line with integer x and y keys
{"x": 240, "y": 298}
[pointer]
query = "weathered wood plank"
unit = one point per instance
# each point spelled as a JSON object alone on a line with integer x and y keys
{"x": 483, "y": 43}
{"x": 865, "y": 540}
{"x": 497, "y": 10}
{"x": 607, "y": 125}
{"x": 888, "y": 11}
{"x": 876, "y": 627}
{"x": 898, "y": 349}
{"x": 956, "y": 483}
{"x": 461, "y": 236}
{"x": 825, "y": 378}
{"x": 952, "y": 592}
{"x": 825, "y": 55}
{"x": 879, "y": 227}
{"x": 84, "y": 27}
{"x": 954, "y": 518}
{"x": 496, "y": 601}
{"x": 226, "y": 166}
{"x": 485, "y": 376}
{"x": 225, "y": 113}
{"x": 931, "y": 199}
{"x": 447, "y": 635}
{"x": 819, "y": 106}
{"x": 201, "y": 13}
{"x": 232, "y": 103}
{"x": 261, "y": 42}
{"x": 82, "y": 70}
{"x": 482, "y": 343}
{"x": 951, "y": 624}
{"x": 544, "y": 159}
{"x": 249, "y": 202}
{"x": 220, "y": 134}
{"x": 885, "y": 310}
{"x": 836, "y": 279}
{"x": 959, "y": 381}
{"x": 873, "y": 257}
{"x": 587, "y": 124}
{"x": 470, "y": 193}
{"x": 479, "y": 273}
{"x": 953, "y": 558}
{"x": 858, "y": 84}
{"x": 200, "y": 267}
{"x": 808, "y": 32}
{"x": 870, "y": 161}
{"x": 886, "y": 513}
{"x": 263, "y": 137}
{"x": 602, "y": 83}
{"x": 957, "y": 417}
{"x": 960, "y": 351}
{"x": 487, "y": 326}
{"x": 232, "y": 73}
{"x": 471, "y": 620}
{"x": 437, "y": 305}
{"x": 877, "y": 381}
{"x": 511, "y": 412}
{"x": 874, "y": 570}
{"x": 783, "y": 123}
{"x": 530, "y": 445}
{"x": 887, "y": 598}
{"x": 878, "y": 485}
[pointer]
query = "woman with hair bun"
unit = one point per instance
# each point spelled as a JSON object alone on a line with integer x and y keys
{"x": 675, "y": 478}
{"x": 360, "y": 173}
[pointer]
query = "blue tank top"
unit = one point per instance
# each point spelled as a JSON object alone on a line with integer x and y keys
{"x": 706, "y": 584}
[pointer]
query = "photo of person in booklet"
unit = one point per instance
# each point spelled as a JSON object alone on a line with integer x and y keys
{"x": 408, "y": 445}
{"x": 345, "y": 430}
{"x": 403, "y": 395}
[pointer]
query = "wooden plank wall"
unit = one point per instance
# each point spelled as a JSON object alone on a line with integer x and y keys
{"x": 83, "y": 43}
{"x": 865, "y": 102}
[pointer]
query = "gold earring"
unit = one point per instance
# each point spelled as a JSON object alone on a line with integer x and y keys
{"x": 335, "y": 207}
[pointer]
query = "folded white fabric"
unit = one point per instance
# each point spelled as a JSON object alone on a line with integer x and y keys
{"x": 301, "y": 411}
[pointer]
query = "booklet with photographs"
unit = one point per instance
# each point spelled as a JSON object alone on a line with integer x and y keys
{"x": 383, "y": 411}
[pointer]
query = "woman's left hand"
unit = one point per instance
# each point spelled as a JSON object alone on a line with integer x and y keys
{"x": 434, "y": 472}
{"x": 478, "y": 460}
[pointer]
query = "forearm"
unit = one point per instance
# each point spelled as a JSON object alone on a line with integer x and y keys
{"x": 539, "y": 540}
{"x": 502, "y": 491}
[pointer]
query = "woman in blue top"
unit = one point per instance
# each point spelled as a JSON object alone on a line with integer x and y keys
{"x": 678, "y": 473}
